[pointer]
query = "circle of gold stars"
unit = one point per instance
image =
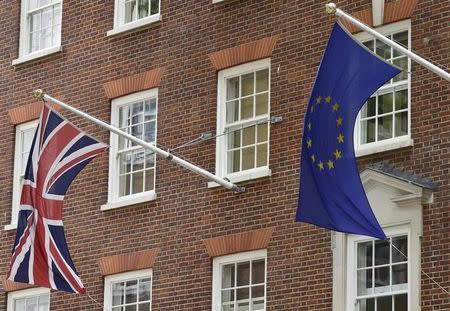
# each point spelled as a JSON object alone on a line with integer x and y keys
{"x": 337, "y": 154}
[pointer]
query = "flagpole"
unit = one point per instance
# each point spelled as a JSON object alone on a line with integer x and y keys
{"x": 223, "y": 182}
{"x": 332, "y": 9}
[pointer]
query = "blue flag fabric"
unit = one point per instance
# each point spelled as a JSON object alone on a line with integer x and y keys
{"x": 331, "y": 192}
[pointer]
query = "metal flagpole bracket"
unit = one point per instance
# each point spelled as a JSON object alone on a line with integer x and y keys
{"x": 39, "y": 94}
{"x": 330, "y": 8}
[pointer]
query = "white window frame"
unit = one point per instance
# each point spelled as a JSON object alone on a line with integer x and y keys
{"x": 352, "y": 241}
{"x": 395, "y": 142}
{"x": 25, "y": 293}
{"x": 119, "y": 16}
{"x": 114, "y": 200}
{"x": 221, "y": 155}
{"x": 123, "y": 277}
{"x": 17, "y": 176}
{"x": 24, "y": 55}
{"x": 218, "y": 262}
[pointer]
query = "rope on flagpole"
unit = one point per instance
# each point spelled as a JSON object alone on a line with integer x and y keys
{"x": 426, "y": 274}
{"x": 98, "y": 303}
{"x": 332, "y": 9}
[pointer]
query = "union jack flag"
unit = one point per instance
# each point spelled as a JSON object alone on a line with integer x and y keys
{"x": 40, "y": 256}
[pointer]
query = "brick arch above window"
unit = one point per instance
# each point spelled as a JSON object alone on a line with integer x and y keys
{"x": 240, "y": 242}
{"x": 393, "y": 12}
{"x": 243, "y": 53}
{"x": 135, "y": 83}
{"x": 128, "y": 262}
{"x": 28, "y": 112}
{"x": 11, "y": 286}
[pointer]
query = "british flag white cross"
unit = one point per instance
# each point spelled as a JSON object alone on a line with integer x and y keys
{"x": 40, "y": 256}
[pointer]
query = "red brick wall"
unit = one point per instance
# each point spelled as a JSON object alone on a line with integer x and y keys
{"x": 186, "y": 212}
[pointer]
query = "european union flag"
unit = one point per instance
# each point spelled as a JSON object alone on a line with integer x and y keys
{"x": 331, "y": 192}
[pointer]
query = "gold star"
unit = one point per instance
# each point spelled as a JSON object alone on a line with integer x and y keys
{"x": 318, "y": 99}
{"x": 330, "y": 165}
{"x": 335, "y": 107}
{"x": 312, "y": 109}
{"x": 337, "y": 154}
{"x": 328, "y": 99}
{"x": 339, "y": 121}
{"x": 340, "y": 138}
{"x": 320, "y": 165}
{"x": 309, "y": 126}
{"x": 313, "y": 158}
{"x": 309, "y": 143}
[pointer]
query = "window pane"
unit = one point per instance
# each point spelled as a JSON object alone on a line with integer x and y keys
{"x": 381, "y": 252}
{"x": 35, "y": 21}
{"x": 34, "y": 41}
{"x": 117, "y": 294}
{"x": 402, "y": 39}
{"x": 232, "y": 111}
{"x": 258, "y": 305}
{"x": 138, "y": 182}
{"x": 367, "y": 304}
{"x": 247, "y": 84}
{"x": 247, "y": 107}
{"x": 44, "y": 302}
{"x": 150, "y": 109}
{"x": 138, "y": 160}
{"x": 32, "y": 304}
{"x": 367, "y": 131}
{"x": 234, "y": 140}
{"x": 46, "y": 38}
{"x": 143, "y": 8}
{"x": 149, "y": 179}
{"x": 130, "y": 308}
{"x": 401, "y": 302}
{"x": 243, "y": 306}
{"x": 369, "y": 45}
{"x": 401, "y": 123}
{"x": 47, "y": 17}
{"x": 125, "y": 162}
{"x": 228, "y": 276}
{"x": 144, "y": 306}
{"x": 33, "y": 4}
{"x": 228, "y": 295}
{"x": 124, "y": 187}
{"x": 131, "y": 291}
{"x": 242, "y": 293}
{"x": 385, "y": 127}
{"x": 248, "y": 136}
{"x": 234, "y": 160}
{"x": 20, "y": 305}
{"x": 117, "y": 309}
{"x": 154, "y": 7}
{"x": 384, "y": 303}
{"x": 401, "y": 99}
{"x": 400, "y": 274}
{"x": 385, "y": 103}
{"x": 383, "y": 51}
{"x": 262, "y": 132}
{"x": 44, "y": 2}
{"x": 56, "y": 36}
{"x": 401, "y": 62}
{"x": 364, "y": 282}
{"x": 258, "y": 271}
{"x": 365, "y": 254}
{"x": 262, "y": 104}
{"x": 232, "y": 88}
{"x": 382, "y": 277}
{"x": 248, "y": 158}
{"x": 368, "y": 110}
{"x": 130, "y": 11}
{"x": 243, "y": 273}
{"x": 261, "y": 155}
{"x": 257, "y": 291}
{"x": 228, "y": 307}
{"x": 150, "y": 131}
{"x": 262, "y": 80}
{"x": 144, "y": 290}
{"x": 401, "y": 243}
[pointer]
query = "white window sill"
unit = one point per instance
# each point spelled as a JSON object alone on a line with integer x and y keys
{"x": 36, "y": 55}
{"x": 10, "y": 227}
{"x": 255, "y": 173}
{"x": 131, "y": 200}
{"x": 134, "y": 25}
{"x": 382, "y": 146}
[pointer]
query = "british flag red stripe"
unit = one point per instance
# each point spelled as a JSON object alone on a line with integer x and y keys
{"x": 59, "y": 151}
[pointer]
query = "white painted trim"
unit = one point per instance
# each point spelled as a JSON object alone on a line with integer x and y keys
{"x": 221, "y": 159}
{"x": 130, "y": 200}
{"x": 233, "y": 258}
{"x": 25, "y": 293}
{"x": 36, "y": 55}
{"x": 140, "y": 23}
{"x": 377, "y": 12}
{"x": 256, "y": 173}
{"x": 114, "y": 201}
{"x": 17, "y": 185}
{"x": 121, "y": 277}
{"x": 381, "y": 146}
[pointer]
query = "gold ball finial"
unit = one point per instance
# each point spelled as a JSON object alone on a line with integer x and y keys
{"x": 330, "y": 8}
{"x": 39, "y": 94}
